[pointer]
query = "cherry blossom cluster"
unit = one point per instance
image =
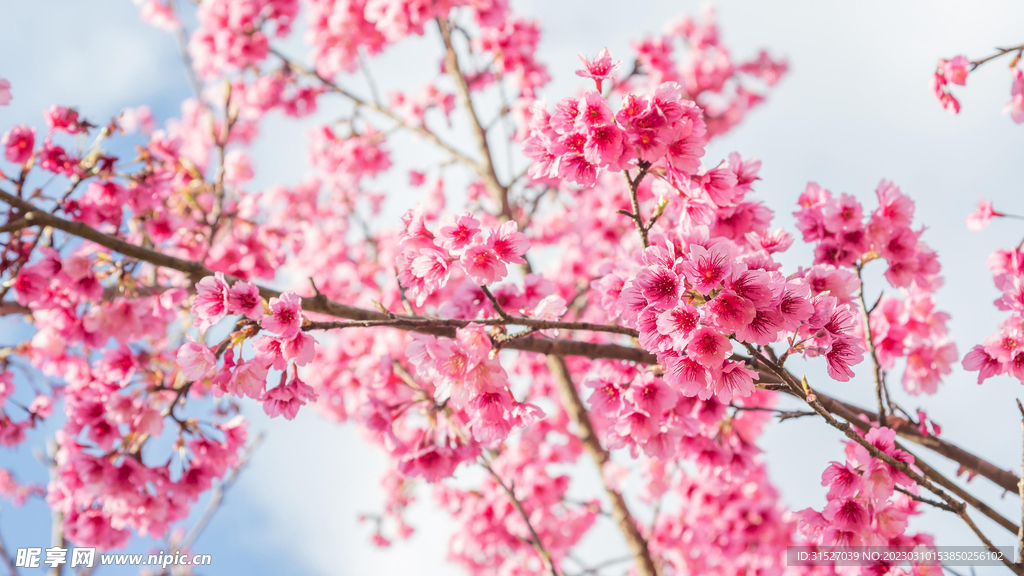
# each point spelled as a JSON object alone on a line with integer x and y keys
{"x": 864, "y": 507}
{"x": 478, "y": 344}
{"x": 427, "y": 260}
{"x": 725, "y": 89}
{"x": 288, "y": 348}
{"x": 658, "y": 131}
{"x": 846, "y": 238}
{"x": 1000, "y": 353}
{"x": 955, "y": 71}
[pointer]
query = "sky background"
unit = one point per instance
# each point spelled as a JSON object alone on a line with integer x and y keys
{"x": 855, "y": 108}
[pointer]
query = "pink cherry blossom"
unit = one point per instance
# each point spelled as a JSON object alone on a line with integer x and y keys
{"x": 600, "y": 68}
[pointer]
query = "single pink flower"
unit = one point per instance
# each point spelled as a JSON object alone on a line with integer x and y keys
{"x": 508, "y": 243}
{"x": 196, "y": 360}
{"x": 244, "y": 298}
{"x": 979, "y": 219}
{"x": 482, "y": 265}
{"x": 285, "y": 317}
{"x": 456, "y": 232}
{"x": 211, "y": 301}
{"x": 18, "y": 143}
{"x": 600, "y": 68}
{"x": 5, "y": 92}
{"x": 709, "y": 347}
{"x": 237, "y": 167}
{"x": 285, "y": 400}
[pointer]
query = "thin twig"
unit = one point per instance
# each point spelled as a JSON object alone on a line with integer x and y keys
{"x": 486, "y": 166}
{"x": 535, "y": 541}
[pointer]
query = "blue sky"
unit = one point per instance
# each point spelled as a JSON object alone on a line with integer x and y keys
{"x": 855, "y": 108}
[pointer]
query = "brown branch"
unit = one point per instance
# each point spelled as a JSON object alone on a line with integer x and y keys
{"x": 559, "y": 347}
{"x": 15, "y": 225}
{"x": 1000, "y": 52}
{"x": 620, "y": 512}
{"x": 320, "y": 304}
{"x": 333, "y": 87}
{"x": 538, "y": 546}
{"x": 416, "y": 322}
{"x": 870, "y": 341}
{"x": 485, "y": 168}
{"x": 8, "y": 308}
{"x": 921, "y": 479}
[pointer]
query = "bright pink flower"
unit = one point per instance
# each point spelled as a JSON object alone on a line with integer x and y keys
{"x": 18, "y": 143}
{"x": 62, "y": 119}
{"x": 196, "y": 360}
{"x": 600, "y": 68}
{"x": 650, "y": 394}
{"x": 846, "y": 514}
{"x": 955, "y": 70}
{"x": 244, "y": 298}
{"x": 594, "y": 111}
{"x": 456, "y": 232}
{"x": 508, "y": 243}
{"x": 482, "y": 265}
{"x": 285, "y": 400}
{"x": 211, "y": 300}
{"x": 285, "y": 316}
{"x": 733, "y": 380}
{"x": 978, "y": 360}
{"x": 842, "y": 480}
{"x": 707, "y": 268}
{"x": 709, "y": 347}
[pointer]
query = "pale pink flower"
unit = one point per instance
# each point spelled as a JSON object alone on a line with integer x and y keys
{"x": 979, "y": 219}
{"x": 138, "y": 119}
{"x": 5, "y": 92}
{"x": 600, "y": 68}
{"x": 196, "y": 360}
{"x": 1015, "y": 108}
{"x": 550, "y": 307}
{"x": 482, "y": 265}
{"x": 237, "y": 167}
{"x": 248, "y": 379}
{"x": 300, "y": 349}
{"x": 433, "y": 268}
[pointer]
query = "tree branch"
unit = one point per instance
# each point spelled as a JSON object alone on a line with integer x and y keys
{"x": 538, "y": 546}
{"x": 620, "y": 512}
{"x": 486, "y": 165}
{"x": 320, "y": 304}
{"x": 870, "y": 341}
